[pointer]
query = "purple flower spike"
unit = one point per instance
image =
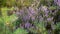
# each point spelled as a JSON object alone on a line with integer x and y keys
{"x": 31, "y": 10}
{"x": 26, "y": 17}
{"x": 27, "y": 25}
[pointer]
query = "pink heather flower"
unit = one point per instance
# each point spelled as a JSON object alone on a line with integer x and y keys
{"x": 27, "y": 25}
{"x": 31, "y": 10}
{"x": 55, "y": 1}
{"x": 58, "y": 2}
{"x": 46, "y": 12}
{"x": 45, "y": 9}
{"x": 46, "y": 15}
{"x": 49, "y": 19}
{"x": 26, "y": 17}
{"x": 21, "y": 12}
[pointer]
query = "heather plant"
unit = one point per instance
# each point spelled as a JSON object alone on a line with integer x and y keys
{"x": 29, "y": 17}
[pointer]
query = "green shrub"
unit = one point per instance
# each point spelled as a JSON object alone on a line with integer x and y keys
{"x": 20, "y": 31}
